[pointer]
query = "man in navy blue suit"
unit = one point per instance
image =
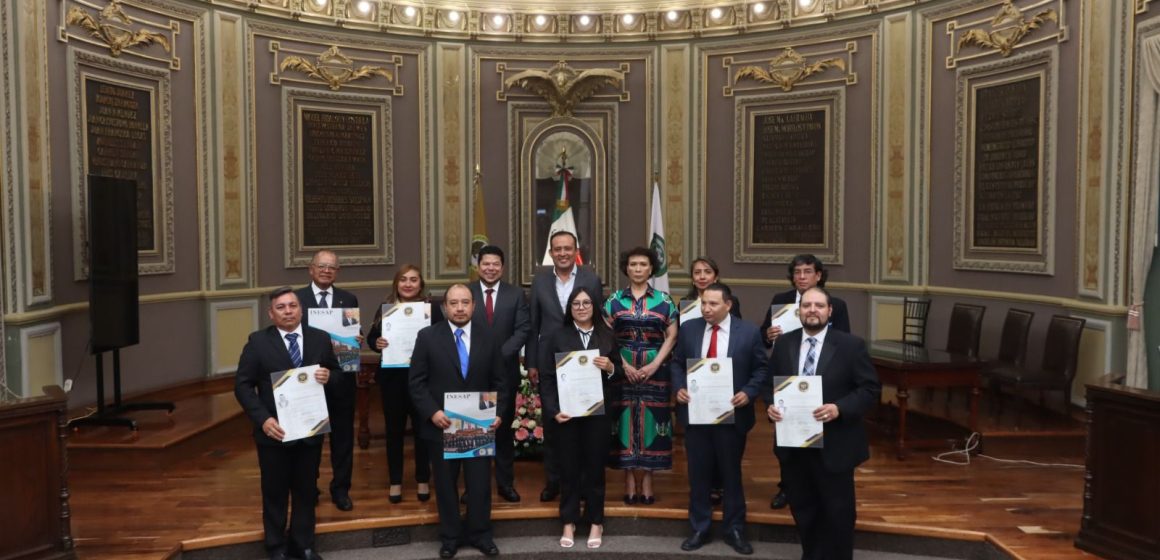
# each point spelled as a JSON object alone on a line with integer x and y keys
{"x": 718, "y": 448}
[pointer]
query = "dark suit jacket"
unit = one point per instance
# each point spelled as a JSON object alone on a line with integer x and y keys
{"x": 547, "y": 315}
{"x": 338, "y": 298}
{"x": 750, "y": 368}
{"x": 568, "y": 340}
{"x": 511, "y": 320}
{"x": 839, "y": 316}
{"x": 848, "y": 380}
{"x": 265, "y": 353}
{"x": 435, "y": 370}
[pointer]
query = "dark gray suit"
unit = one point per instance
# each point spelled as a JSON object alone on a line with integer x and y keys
{"x": 340, "y": 394}
{"x": 547, "y": 316}
{"x": 509, "y": 326}
{"x": 820, "y": 482}
{"x": 713, "y": 449}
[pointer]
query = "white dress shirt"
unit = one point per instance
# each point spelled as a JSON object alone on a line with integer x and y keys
{"x": 466, "y": 333}
{"x": 297, "y": 331}
{"x": 722, "y": 338}
{"x": 318, "y": 294}
{"x": 564, "y": 289}
{"x": 821, "y": 338}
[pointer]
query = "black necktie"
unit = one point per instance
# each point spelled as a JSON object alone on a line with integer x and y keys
{"x": 322, "y": 299}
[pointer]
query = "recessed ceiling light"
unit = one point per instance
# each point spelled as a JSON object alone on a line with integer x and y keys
{"x": 628, "y": 19}
{"x": 585, "y": 20}
{"x": 805, "y": 3}
{"x": 409, "y": 11}
{"x": 673, "y": 15}
{"x": 453, "y": 16}
{"x": 320, "y": 3}
{"x": 497, "y": 20}
{"x": 541, "y": 20}
{"x": 716, "y": 13}
{"x": 364, "y": 7}
{"x": 759, "y": 8}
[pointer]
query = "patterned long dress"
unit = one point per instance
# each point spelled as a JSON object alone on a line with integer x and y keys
{"x": 642, "y": 420}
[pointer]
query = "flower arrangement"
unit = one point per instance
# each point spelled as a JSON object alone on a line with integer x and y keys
{"x": 528, "y": 423}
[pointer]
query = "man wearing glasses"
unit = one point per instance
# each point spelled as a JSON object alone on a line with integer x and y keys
{"x": 340, "y": 391}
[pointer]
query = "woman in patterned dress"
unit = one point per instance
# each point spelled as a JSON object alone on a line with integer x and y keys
{"x": 645, "y": 322}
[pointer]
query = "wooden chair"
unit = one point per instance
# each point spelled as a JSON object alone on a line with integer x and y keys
{"x": 914, "y": 312}
{"x": 1012, "y": 346}
{"x": 1060, "y": 358}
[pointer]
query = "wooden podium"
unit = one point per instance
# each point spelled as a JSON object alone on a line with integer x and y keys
{"x": 34, "y": 480}
{"x": 1121, "y": 516}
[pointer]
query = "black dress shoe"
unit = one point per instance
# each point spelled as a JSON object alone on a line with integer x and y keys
{"x": 550, "y": 492}
{"x": 448, "y": 550}
{"x": 509, "y": 494}
{"x": 629, "y": 499}
{"x": 779, "y": 501}
{"x": 424, "y": 496}
{"x": 394, "y": 498}
{"x": 310, "y": 555}
{"x": 278, "y": 555}
{"x": 487, "y": 547}
{"x": 342, "y": 502}
{"x": 648, "y": 500}
{"x": 695, "y": 541}
{"x": 736, "y": 539}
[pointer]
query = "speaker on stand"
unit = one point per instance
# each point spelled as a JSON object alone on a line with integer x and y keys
{"x": 113, "y": 313}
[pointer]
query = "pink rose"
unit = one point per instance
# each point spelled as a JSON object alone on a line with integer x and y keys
{"x": 520, "y": 399}
{"x": 538, "y": 432}
{"x": 536, "y": 400}
{"x": 521, "y": 434}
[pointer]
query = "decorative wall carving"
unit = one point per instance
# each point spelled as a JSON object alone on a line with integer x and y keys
{"x": 564, "y": 87}
{"x": 333, "y": 68}
{"x": 113, "y": 28}
{"x": 1007, "y": 30}
{"x": 789, "y": 69}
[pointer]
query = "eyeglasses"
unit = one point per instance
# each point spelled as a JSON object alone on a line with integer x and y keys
{"x": 326, "y": 266}
{"x": 581, "y": 304}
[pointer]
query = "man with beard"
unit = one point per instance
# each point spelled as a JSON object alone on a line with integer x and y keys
{"x": 819, "y": 483}
{"x": 457, "y": 355}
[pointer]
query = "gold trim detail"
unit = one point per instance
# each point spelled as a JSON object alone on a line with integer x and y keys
{"x": 564, "y": 87}
{"x": 334, "y": 68}
{"x": 788, "y": 69}
{"x": 104, "y": 28}
{"x": 1004, "y": 32}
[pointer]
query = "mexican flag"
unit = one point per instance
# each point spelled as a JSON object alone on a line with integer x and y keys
{"x": 562, "y": 218}
{"x": 660, "y": 279}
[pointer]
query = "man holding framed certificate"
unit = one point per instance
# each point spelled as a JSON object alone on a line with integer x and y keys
{"x": 728, "y": 368}
{"x": 819, "y": 482}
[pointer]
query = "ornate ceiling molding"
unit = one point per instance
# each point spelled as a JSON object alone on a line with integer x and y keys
{"x": 590, "y": 21}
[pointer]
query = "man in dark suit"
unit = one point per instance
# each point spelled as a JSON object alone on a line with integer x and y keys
{"x": 718, "y": 448}
{"x": 550, "y": 290}
{"x": 457, "y": 355}
{"x": 503, "y": 308}
{"x": 805, "y": 271}
{"x": 287, "y": 469}
{"x": 340, "y": 392}
{"x": 820, "y": 482}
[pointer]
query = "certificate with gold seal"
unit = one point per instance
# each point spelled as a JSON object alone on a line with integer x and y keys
{"x": 401, "y": 325}
{"x": 797, "y": 397}
{"x": 300, "y": 402}
{"x": 710, "y": 387}
{"x": 580, "y": 383}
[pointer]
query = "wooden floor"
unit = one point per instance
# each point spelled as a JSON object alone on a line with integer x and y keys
{"x": 124, "y": 506}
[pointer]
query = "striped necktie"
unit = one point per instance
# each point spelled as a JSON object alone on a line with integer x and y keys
{"x": 811, "y": 357}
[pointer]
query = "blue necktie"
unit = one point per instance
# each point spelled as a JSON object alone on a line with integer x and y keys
{"x": 322, "y": 300}
{"x": 295, "y": 351}
{"x": 811, "y": 357}
{"x": 462, "y": 348}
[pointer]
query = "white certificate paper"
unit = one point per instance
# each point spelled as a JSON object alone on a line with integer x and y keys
{"x": 401, "y": 325}
{"x": 710, "y": 386}
{"x": 342, "y": 324}
{"x": 797, "y": 397}
{"x": 301, "y": 403}
{"x": 786, "y": 317}
{"x": 690, "y": 310}
{"x": 580, "y": 383}
{"x": 471, "y": 433}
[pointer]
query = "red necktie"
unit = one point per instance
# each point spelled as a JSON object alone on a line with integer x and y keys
{"x": 712, "y": 353}
{"x": 489, "y": 305}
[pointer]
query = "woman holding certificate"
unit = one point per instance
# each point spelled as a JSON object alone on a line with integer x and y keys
{"x": 580, "y": 363}
{"x": 644, "y": 322}
{"x": 704, "y": 274}
{"x": 407, "y": 288}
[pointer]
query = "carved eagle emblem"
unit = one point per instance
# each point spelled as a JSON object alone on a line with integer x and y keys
{"x": 104, "y": 28}
{"x": 563, "y": 87}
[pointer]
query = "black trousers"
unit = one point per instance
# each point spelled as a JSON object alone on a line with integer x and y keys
{"x": 583, "y": 454}
{"x": 713, "y": 449}
{"x": 822, "y": 503}
{"x": 340, "y": 402}
{"x": 551, "y": 448}
{"x": 477, "y": 483}
{"x": 505, "y": 450}
{"x": 289, "y": 481}
{"x": 397, "y": 407}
